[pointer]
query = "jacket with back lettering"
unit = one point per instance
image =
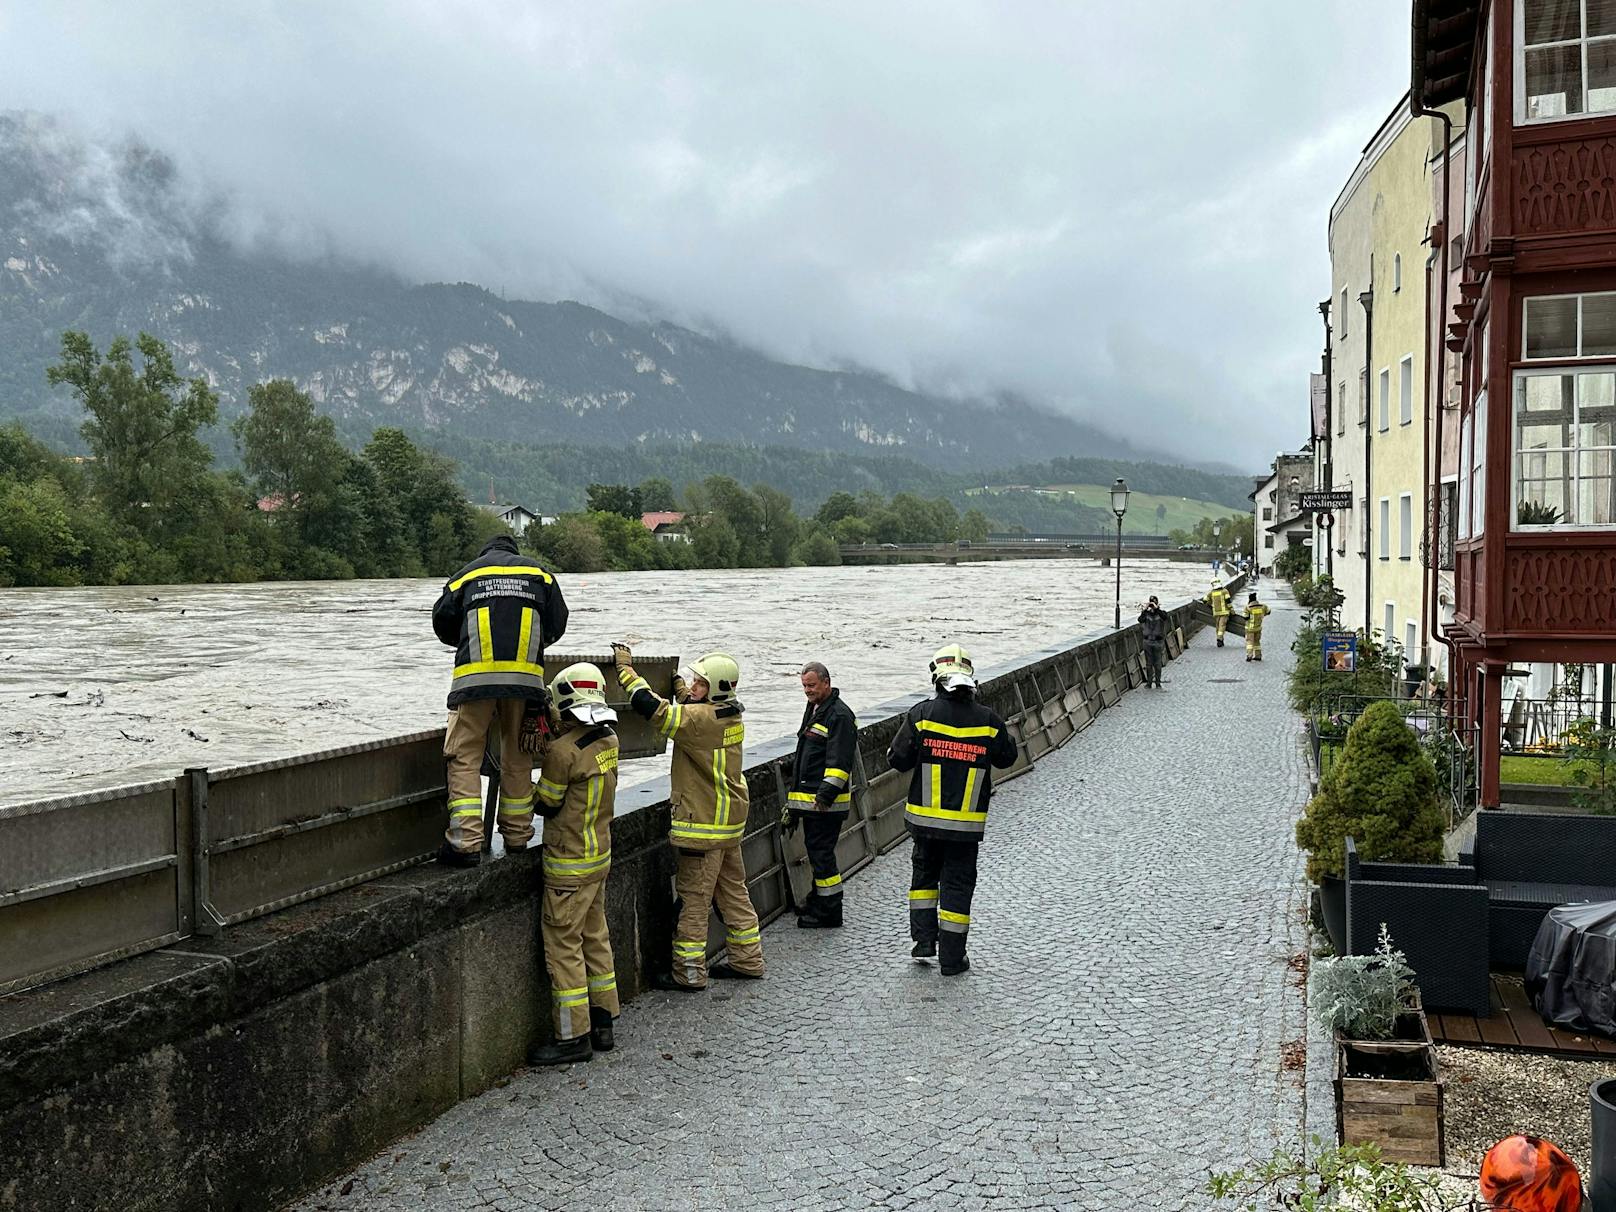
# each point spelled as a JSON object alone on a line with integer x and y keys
{"x": 500, "y": 612}
{"x": 708, "y": 776}
{"x": 950, "y": 742}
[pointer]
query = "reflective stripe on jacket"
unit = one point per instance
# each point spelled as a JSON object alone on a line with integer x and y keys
{"x": 1255, "y": 614}
{"x": 708, "y": 776}
{"x": 1218, "y": 599}
{"x": 949, "y": 742}
{"x": 576, "y": 794}
{"x": 500, "y": 612}
{"x": 822, "y": 771}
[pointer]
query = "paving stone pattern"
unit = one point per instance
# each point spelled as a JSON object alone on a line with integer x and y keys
{"x": 1120, "y": 1031}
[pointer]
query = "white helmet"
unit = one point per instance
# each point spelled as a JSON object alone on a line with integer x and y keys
{"x": 721, "y": 672}
{"x": 580, "y": 691}
{"x": 951, "y": 668}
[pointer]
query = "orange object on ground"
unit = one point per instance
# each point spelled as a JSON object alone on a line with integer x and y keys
{"x": 1530, "y": 1174}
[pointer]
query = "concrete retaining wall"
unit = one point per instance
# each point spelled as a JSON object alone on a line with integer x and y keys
{"x": 236, "y": 1072}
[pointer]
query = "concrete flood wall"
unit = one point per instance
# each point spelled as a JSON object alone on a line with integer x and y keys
{"x": 239, "y": 1070}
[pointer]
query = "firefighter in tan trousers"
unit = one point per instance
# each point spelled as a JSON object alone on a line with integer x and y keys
{"x": 576, "y": 794}
{"x": 709, "y": 815}
{"x": 1218, "y": 599}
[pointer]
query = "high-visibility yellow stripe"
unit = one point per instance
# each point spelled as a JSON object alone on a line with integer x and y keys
{"x": 551, "y": 793}
{"x": 830, "y": 883}
{"x": 467, "y": 811}
{"x": 558, "y": 994}
{"x": 499, "y": 667}
{"x": 951, "y": 730}
{"x": 565, "y": 866}
{"x": 674, "y": 717}
{"x": 820, "y": 729}
{"x": 502, "y": 570}
{"x": 694, "y": 832}
{"x": 721, "y": 786}
{"x": 948, "y": 915}
{"x": 945, "y": 813}
{"x": 936, "y": 796}
{"x": 683, "y": 947}
{"x": 631, "y": 681}
{"x": 744, "y": 936}
{"x": 972, "y": 777}
{"x": 803, "y": 797}
{"x": 523, "y": 636}
{"x": 922, "y": 894}
{"x": 485, "y": 635}
{"x": 591, "y": 812}
{"x": 464, "y": 800}
{"x": 833, "y": 772}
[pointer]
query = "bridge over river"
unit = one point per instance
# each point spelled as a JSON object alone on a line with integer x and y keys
{"x": 1122, "y": 1030}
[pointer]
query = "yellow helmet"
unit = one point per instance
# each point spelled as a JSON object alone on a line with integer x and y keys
{"x": 951, "y": 667}
{"x": 580, "y": 691}
{"x": 721, "y": 672}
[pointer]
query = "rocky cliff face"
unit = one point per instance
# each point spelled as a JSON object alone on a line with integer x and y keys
{"x": 110, "y": 239}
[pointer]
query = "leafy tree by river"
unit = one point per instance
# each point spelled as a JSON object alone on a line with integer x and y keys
{"x": 147, "y": 506}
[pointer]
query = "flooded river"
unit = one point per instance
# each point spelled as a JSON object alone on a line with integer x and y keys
{"x": 114, "y": 685}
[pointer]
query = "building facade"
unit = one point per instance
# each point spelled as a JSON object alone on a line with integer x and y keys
{"x": 1535, "y": 335}
{"x": 1378, "y": 440}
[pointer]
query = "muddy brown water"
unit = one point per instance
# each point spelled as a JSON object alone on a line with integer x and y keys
{"x": 105, "y": 686}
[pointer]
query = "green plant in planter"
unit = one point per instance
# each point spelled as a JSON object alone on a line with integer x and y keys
{"x": 1360, "y": 996}
{"x": 1352, "y": 1177}
{"x": 1589, "y": 754}
{"x": 1380, "y": 791}
{"x": 1536, "y": 513}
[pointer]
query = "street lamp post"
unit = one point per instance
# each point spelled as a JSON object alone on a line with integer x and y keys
{"x": 1217, "y": 540}
{"x": 1119, "y": 506}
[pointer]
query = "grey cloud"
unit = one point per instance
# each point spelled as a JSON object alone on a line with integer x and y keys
{"x": 1116, "y": 209}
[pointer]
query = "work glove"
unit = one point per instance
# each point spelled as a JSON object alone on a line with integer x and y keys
{"x": 790, "y": 818}
{"x": 682, "y": 678}
{"x": 540, "y": 724}
{"x": 622, "y": 656}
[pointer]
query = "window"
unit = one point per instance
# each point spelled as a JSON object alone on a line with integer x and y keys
{"x": 1343, "y": 313}
{"x": 1385, "y": 528}
{"x": 1267, "y": 514}
{"x": 1405, "y": 518}
{"x": 1363, "y": 526}
{"x": 1569, "y": 326}
{"x": 1447, "y": 530}
{"x": 1411, "y": 641}
{"x": 1565, "y": 447}
{"x": 1268, "y": 541}
{"x": 1566, "y": 62}
{"x": 1397, "y": 272}
{"x": 1405, "y": 390}
{"x": 1363, "y": 397}
{"x": 1478, "y": 466}
{"x": 1389, "y": 631}
{"x": 1467, "y": 445}
{"x": 1385, "y": 400}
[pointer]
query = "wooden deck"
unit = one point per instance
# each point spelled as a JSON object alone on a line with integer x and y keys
{"x": 1515, "y": 1024}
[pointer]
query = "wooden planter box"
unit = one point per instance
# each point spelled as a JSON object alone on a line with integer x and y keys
{"x": 1389, "y": 1093}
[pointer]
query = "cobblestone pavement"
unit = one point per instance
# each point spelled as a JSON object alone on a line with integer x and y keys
{"x": 1120, "y": 1032}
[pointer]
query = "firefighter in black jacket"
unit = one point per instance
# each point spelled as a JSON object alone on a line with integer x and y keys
{"x": 498, "y": 612}
{"x": 949, "y": 741}
{"x": 821, "y": 790}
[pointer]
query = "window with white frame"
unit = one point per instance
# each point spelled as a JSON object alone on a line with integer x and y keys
{"x": 1363, "y": 397}
{"x": 1447, "y": 529}
{"x": 1565, "y": 58}
{"x": 1385, "y": 528}
{"x": 1363, "y": 526}
{"x": 1405, "y": 390}
{"x": 1385, "y": 400}
{"x": 1341, "y": 408}
{"x": 1389, "y": 631}
{"x": 1343, "y": 313}
{"x": 1467, "y": 446}
{"x": 1405, "y": 519}
{"x": 1565, "y": 417}
{"x": 1397, "y": 272}
{"x": 1478, "y": 466}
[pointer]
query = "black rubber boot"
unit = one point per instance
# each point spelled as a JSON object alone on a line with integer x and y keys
{"x": 600, "y": 1030}
{"x": 952, "y": 961}
{"x": 954, "y": 969}
{"x": 924, "y": 950}
{"x": 562, "y": 1052}
{"x": 664, "y": 980}
{"x": 825, "y": 915}
{"x": 450, "y": 857}
{"x": 1220, "y": 643}
{"x": 724, "y": 972}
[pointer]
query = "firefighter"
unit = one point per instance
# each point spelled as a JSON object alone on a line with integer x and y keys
{"x": 949, "y": 741}
{"x": 1256, "y": 612}
{"x": 499, "y": 613}
{"x": 821, "y": 790}
{"x": 1218, "y": 599}
{"x": 576, "y": 794}
{"x": 709, "y": 815}
{"x": 1153, "y": 629}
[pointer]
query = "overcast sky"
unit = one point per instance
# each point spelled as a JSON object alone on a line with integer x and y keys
{"x": 1117, "y": 209}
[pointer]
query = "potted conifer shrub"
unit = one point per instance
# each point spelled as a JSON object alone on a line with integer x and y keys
{"x": 1381, "y": 791}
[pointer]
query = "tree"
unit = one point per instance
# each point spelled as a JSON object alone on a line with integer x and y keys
{"x": 291, "y": 451}
{"x": 974, "y": 526}
{"x": 37, "y": 543}
{"x": 778, "y": 524}
{"x": 142, "y": 425}
{"x": 1161, "y": 516}
{"x": 569, "y": 544}
{"x": 715, "y": 544}
{"x": 837, "y": 506}
{"x": 657, "y": 496}
{"x": 435, "y": 515}
{"x": 613, "y": 498}
{"x": 817, "y": 548}
{"x": 1381, "y": 792}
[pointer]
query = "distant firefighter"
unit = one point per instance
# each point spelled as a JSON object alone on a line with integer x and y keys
{"x": 1256, "y": 612}
{"x": 1218, "y": 599}
{"x": 821, "y": 790}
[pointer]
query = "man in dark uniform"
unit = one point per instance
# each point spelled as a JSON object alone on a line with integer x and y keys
{"x": 820, "y": 790}
{"x": 498, "y": 613}
{"x": 949, "y": 741}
